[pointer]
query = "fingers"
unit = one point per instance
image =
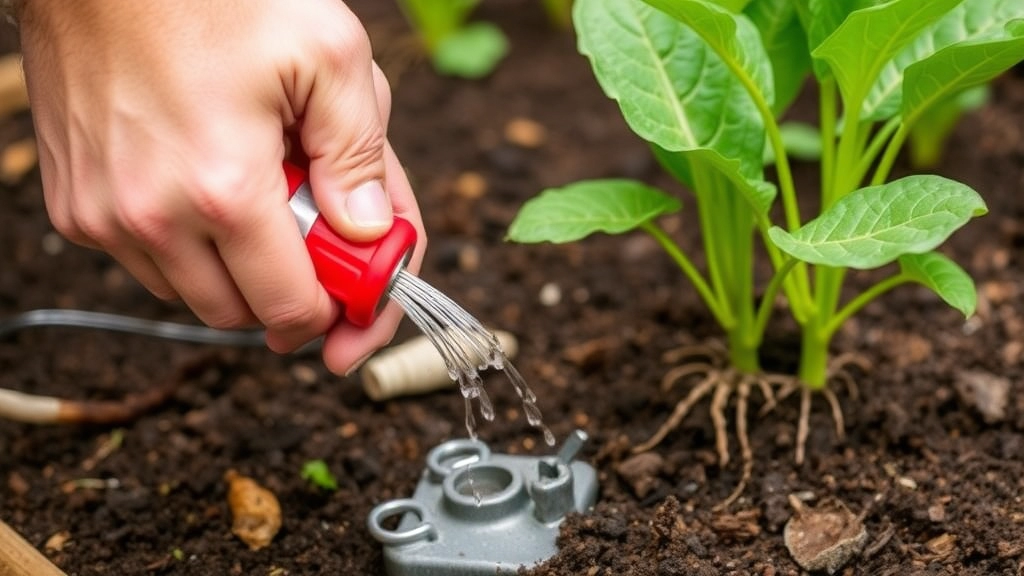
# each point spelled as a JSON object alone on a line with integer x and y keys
{"x": 253, "y": 264}
{"x": 346, "y": 346}
{"x": 343, "y": 133}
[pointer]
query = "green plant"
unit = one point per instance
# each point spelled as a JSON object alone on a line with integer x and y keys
{"x": 318, "y": 474}
{"x": 456, "y": 46}
{"x": 559, "y": 12}
{"x": 706, "y": 82}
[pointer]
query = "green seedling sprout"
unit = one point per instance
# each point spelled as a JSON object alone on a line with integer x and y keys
{"x": 456, "y": 46}
{"x": 318, "y": 474}
{"x": 706, "y": 83}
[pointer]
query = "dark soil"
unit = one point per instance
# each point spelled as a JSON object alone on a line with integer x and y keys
{"x": 939, "y": 486}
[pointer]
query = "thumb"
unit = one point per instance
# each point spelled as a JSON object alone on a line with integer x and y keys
{"x": 344, "y": 133}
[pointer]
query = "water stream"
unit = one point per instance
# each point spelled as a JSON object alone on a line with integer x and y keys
{"x": 466, "y": 347}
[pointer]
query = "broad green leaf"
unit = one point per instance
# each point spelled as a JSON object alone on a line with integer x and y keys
{"x": 732, "y": 36}
{"x": 471, "y": 52}
{"x": 873, "y": 226}
{"x": 820, "y": 18}
{"x": 672, "y": 88}
{"x": 734, "y": 6}
{"x": 974, "y": 20}
{"x": 944, "y": 277}
{"x": 958, "y": 67}
{"x": 870, "y": 37}
{"x": 786, "y": 45}
{"x": 578, "y": 210}
{"x": 759, "y": 194}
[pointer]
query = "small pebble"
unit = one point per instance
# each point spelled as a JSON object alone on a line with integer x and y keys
{"x": 470, "y": 185}
{"x": 17, "y": 484}
{"x": 348, "y": 430}
{"x": 17, "y": 160}
{"x": 907, "y": 482}
{"x": 580, "y": 419}
{"x": 56, "y": 542}
{"x": 641, "y": 472}
{"x": 550, "y": 294}
{"x": 937, "y": 513}
{"x": 987, "y": 393}
{"x": 304, "y": 374}
{"x": 53, "y": 244}
{"x": 469, "y": 258}
{"x": 525, "y": 133}
{"x": 114, "y": 278}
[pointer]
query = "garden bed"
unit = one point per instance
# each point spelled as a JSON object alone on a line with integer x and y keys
{"x": 938, "y": 483}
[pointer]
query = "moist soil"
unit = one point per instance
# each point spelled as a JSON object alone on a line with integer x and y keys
{"x": 933, "y": 460}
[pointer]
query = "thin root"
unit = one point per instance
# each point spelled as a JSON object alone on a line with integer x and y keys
{"x": 714, "y": 351}
{"x": 743, "y": 437}
{"x": 680, "y": 372}
{"x": 837, "y": 413}
{"x": 680, "y": 412}
{"x": 718, "y": 403}
{"x": 720, "y": 381}
{"x": 803, "y": 425}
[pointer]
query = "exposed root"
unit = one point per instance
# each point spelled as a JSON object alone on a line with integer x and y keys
{"x": 838, "y": 370}
{"x": 721, "y": 382}
{"x": 743, "y": 437}
{"x": 35, "y": 409}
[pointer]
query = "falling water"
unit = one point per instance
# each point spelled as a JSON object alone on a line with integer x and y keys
{"x": 466, "y": 346}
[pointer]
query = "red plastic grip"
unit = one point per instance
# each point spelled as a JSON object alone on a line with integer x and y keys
{"x": 357, "y": 274}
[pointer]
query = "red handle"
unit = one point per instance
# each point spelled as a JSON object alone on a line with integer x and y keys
{"x": 357, "y": 274}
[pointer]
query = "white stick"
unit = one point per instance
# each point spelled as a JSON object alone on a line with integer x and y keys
{"x": 414, "y": 367}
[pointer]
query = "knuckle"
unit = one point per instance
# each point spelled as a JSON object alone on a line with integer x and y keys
{"x": 218, "y": 195}
{"x": 346, "y": 45}
{"x": 290, "y": 316}
{"x": 227, "y": 317}
{"x": 65, "y": 224}
{"x": 382, "y": 89}
{"x": 89, "y": 224}
{"x": 367, "y": 145}
{"x": 144, "y": 220}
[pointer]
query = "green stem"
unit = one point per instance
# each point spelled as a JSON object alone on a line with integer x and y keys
{"x": 827, "y": 120}
{"x": 869, "y": 156}
{"x": 722, "y": 315}
{"x": 742, "y": 354}
{"x": 891, "y": 152}
{"x": 702, "y": 186}
{"x": 862, "y": 300}
{"x": 813, "y": 371}
{"x": 846, "y": 162}
{"x": 744, "y": 340}
{"x": 764, "y": 310}
{"x": 790, "y": 207}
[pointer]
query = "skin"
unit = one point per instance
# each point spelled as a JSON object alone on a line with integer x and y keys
{"x": 162, "y": 128}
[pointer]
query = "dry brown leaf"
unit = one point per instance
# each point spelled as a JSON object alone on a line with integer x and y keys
{"x": 255, "y": 511}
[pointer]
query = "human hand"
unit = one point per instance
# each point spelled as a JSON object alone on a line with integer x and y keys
{"x": 161, "y": 129}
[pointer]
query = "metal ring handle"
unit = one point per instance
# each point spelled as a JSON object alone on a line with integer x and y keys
{"x": 381, "y": 512}
{"x": 454, "y": 454}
